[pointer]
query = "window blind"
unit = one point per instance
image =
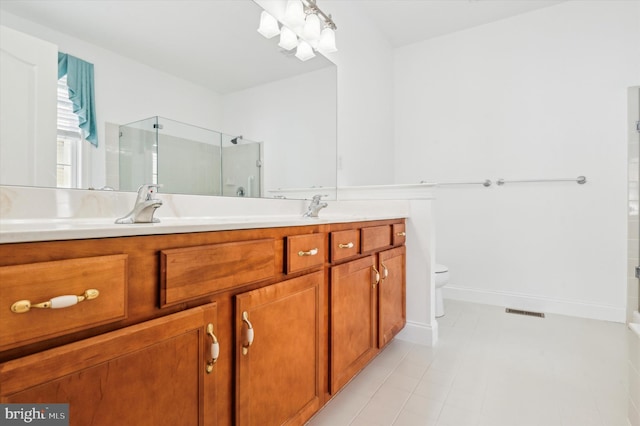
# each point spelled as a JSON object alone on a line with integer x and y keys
{"x": 68, "y": 124}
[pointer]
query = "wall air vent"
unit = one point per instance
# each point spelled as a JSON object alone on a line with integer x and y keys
{"x": 527, "y": 313}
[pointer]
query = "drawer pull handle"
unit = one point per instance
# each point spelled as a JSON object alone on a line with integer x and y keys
{"x": 401, "y": 234}
{"x": 385, "y": 272}
{"x": 347, "y": 246}
{"x": 377, "y": 279}
{"x": 311, "y": 252}
{"x": 22, "y": 306}
{"x": 215, "y": 349}
{"x": 249, "y": 341}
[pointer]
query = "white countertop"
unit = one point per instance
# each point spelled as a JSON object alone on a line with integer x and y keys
{"x": 14, "y": 231}
{"x": 44, "y": 214}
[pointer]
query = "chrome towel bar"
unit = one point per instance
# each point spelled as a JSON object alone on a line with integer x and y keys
{"x": 580, "y": 180}
{"x": 485, "y": 183}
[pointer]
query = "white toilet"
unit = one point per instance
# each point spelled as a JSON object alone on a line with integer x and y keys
{"x": 442, "y": 278}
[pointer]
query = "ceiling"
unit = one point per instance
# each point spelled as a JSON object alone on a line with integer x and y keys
{"x": 214, "y": 43}
{"x": 410, "y": 21}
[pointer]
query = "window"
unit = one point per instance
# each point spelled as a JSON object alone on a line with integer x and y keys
{"x": 69, "y": 140}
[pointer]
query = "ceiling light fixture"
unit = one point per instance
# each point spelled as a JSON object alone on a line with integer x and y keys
{"x": 327, "y": 43}
{"x": 288, "y": 39}
{"x": 305, "y": 26}
{"x": 294, "y": 14}
{"x": 268, "y": 25}
{"x": 304, "y": 52}
{"x": 311, "y": 30}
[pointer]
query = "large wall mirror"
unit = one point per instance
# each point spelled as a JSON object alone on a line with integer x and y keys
{"x": 199, "y": 66}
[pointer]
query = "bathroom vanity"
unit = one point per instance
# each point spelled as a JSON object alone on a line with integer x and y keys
{"x": 259, "y": 325}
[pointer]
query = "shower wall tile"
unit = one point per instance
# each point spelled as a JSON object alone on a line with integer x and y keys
{"x": 633, "y": 190}
{"x": 632, "y": 305}
{"x": 634, "y": 151}
{"x": 634, "y": 248}
{"x": 632, "y": 297}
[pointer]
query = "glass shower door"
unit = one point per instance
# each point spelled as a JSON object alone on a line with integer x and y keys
{"x": 188, "y": 159}
{"x": 138, "y": 154}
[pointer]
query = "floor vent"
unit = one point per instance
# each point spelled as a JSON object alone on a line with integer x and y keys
{"x": 527, "y": 313}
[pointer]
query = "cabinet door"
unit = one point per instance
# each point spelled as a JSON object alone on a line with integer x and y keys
{"x": 152, "y": 373}
{"x": 353, "y": 319}
{"x": 278, "y": 375}
{"x": 392, "y": 311}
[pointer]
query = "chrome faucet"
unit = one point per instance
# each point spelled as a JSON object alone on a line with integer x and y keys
{"x": 145, "y": 206}
{"x": 315, "y": 206}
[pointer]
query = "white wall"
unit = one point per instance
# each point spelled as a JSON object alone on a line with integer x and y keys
{"x": 365, "y": 97}
{"x": 539, "y": 95}
{"x": 296, "y": 120}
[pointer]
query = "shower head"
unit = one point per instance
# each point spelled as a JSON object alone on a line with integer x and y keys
{"x": 235, "y": 140}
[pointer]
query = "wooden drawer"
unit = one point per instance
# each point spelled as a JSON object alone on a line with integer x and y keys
{"x": 305, "y": 252}
{"x": 375, "y": 237}
{"x": 345, "y": 244}
{"x": 399, "y": 234}
{"x": 43, "y": 281}
{"x": 192, "y": 272}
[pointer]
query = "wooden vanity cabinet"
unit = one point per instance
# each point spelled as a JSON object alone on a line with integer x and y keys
{"x": 392, "y": 307}
{"x": 152, "y": 373}
{"x": 278, "y": 368}
{"x": 353, "y": 319}
{"x": 280, "y": 340}
{"x": 139, "y": 353}
{"x": 367, "y": 298}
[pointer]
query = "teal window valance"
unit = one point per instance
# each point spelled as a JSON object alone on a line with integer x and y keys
{"x": 81, "y": 93}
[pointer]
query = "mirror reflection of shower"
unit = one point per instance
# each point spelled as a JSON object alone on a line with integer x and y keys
{"x": 242, "y": 169}
{"x": 187, "y": 159}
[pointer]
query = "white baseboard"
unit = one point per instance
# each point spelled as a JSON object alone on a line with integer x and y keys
{"x": 536, "y": 303}
{"x": 420, "y": 333}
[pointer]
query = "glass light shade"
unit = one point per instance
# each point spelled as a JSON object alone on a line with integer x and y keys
{"x": 288, "y": 39}
{"x": 304, "y": 51}
{"x": 268, "y": 25}
{"x": 294, "y": 14}
{"x": 311, "y": 31}
{"x": 327, "y": 42}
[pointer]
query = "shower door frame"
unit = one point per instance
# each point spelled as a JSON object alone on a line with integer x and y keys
{"x": 633, "y": 225}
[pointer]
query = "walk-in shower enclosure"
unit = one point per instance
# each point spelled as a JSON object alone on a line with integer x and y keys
{"x": 187, "y": 159}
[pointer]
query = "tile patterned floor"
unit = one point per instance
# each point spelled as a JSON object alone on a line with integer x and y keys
{"x": 490, "y": 368}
